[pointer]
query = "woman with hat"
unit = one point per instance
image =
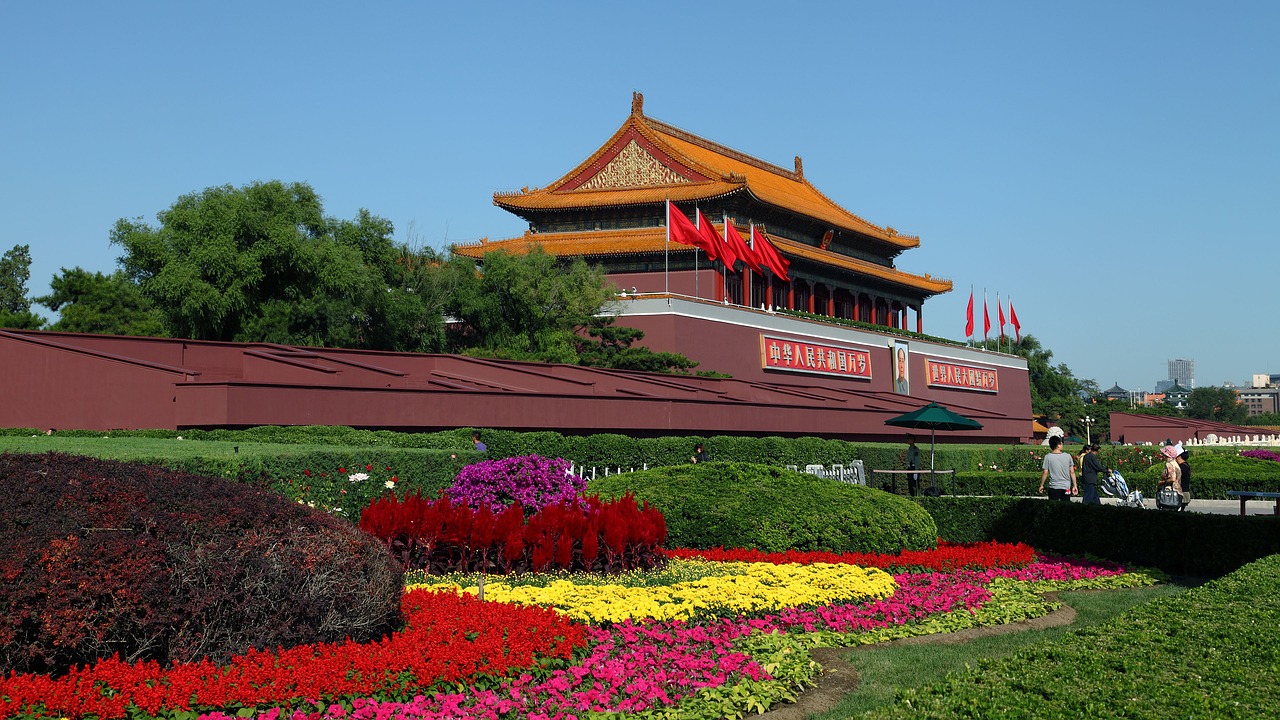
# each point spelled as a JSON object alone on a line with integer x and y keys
{"x": 1172, "y": 474}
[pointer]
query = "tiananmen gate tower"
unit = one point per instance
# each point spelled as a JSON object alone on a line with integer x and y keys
{"x": 804, "y": 309}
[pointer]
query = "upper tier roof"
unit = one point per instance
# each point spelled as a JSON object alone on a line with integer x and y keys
{"x": 648, "y": 161}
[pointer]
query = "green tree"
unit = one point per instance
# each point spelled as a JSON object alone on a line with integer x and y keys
{"x": 1216, "y": 403}
{"x": 1270, "y": 419}
{"x": 613, "y": 347}
{"x": 264, "y": 263}
{"x": 1055, "y": 392}
{"x": 104, "y": 304}
{"x": 15, "y": 308}
{"x": 524, "y": 307}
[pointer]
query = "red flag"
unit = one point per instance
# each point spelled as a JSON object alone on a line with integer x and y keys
{"x": 986, "y": 317}
{"x": 683, "y": 231}
{"x": 968, "y": 316}
{"x": 723, "y": 252}
{"x": 769, "y": 254}
{"x": 1000, "y": 312}
{"x": 1013, "y": 320}
{"x": 744, "y": 253}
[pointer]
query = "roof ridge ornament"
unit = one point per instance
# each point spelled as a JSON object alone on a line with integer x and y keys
{"x": 799, "y": 167}
{"x": 637, "y": 103}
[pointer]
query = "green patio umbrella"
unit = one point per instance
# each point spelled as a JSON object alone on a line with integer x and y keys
{"x": 934, "y": 417}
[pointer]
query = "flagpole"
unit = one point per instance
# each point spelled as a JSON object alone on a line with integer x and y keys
{"x": 666, "y": 254}
{"x": 999, "y": 315}
{"x": 985, "y": 316}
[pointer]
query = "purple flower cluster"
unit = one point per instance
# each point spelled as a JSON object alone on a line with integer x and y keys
{"x": 1261, "y": 455}
{"x": 531, "y": 480}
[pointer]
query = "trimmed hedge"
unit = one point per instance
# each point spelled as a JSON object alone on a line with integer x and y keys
{"x": 736, "y": 505}
{"x": 104, "y": 557}
{"x": 981, "y": 469}
{"x": 1195, "y": 544}
{"x": 1209, "y": 652}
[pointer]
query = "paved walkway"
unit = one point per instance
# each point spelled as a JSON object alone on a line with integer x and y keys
{"x": 1215, "y": 507}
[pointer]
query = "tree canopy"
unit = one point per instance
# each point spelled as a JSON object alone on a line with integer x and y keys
{"x": 1216, "y": 403}
{"x": 524, "y": 307}
{"x": 106, "y": 304}
{"x": 264, "y": 263}
{"x": 15, "y": 308}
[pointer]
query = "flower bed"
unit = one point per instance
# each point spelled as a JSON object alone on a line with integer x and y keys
{"x": 464, "y": 658}
{"x": 947, "y": 556}
{"x": 448, "y": 638}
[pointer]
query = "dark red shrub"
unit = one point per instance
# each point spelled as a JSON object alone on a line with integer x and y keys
{"x": 106, "y": 558}
{"x": 443, "y": 536}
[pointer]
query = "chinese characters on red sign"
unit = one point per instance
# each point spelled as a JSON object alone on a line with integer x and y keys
{"x": 800, "y": 356}
{"x": 961, "y": 377}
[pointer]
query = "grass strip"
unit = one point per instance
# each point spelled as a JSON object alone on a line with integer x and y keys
{"x": 1209, "y": 652}
{"x": 887, "y": 670}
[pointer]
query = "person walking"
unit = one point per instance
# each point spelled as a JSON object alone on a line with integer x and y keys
{"x": 1090, "y": 468}
{"x": 1185, "y": 468}
{"x": 913, "y": 463}
{"x": 1059, "y": 471}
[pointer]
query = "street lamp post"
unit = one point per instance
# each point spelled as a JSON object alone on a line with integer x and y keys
{"x": 1088, "y": 435}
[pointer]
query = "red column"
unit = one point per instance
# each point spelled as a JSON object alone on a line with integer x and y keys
{"x": 791, "y": 295}
{"x": 768, "y": 293}
{"x": 920, "y": 320}
{"x": 831, "y": 305}
{"x": 857, "y": 307}
{"x": 874, "y": 310}
{"x": 813, "y": 290}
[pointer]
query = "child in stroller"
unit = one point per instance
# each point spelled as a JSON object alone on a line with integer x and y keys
{"x": 1113, "y": 484}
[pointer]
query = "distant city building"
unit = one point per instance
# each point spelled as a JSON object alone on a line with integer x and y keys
{"x": 1183, "y": 372}
{"x": 1177, "y": 396}
{"x": 1162, "y": 385}
{"x": 1263, "y": 397}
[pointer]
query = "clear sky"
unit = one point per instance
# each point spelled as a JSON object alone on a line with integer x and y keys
{"x": 1112, "y": 166}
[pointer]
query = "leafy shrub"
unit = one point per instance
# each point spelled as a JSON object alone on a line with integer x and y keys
{"x": 104, "y": 558}
{"x": 442, "y": 536}
{"x": 769, "y": 508}
{"x": 531, "y": 480}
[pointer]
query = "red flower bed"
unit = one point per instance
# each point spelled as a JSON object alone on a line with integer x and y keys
{"x": 590, "y": 535}
{"x": 945, "y": 558}
{"x": 447, "y": 638}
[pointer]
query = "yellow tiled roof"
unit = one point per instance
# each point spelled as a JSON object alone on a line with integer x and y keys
{"x": 591, "y": 242}
{"x": 651, "y": 240}
{"x": 712, "y": 171}
{"x": 826, "y": 257}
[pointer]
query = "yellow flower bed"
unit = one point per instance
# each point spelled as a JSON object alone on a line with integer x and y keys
{"x": 734, "y": 588}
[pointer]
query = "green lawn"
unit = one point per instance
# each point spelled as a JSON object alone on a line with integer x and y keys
{"x": 888, "y": 669}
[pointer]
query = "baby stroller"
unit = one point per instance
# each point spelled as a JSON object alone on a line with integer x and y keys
{"x": 1114, "y": 485}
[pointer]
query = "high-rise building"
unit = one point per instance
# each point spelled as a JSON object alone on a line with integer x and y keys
{"x": 1184, "y": 372}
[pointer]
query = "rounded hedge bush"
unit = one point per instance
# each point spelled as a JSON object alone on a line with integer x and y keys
{"x": 741, "y": 505}
{"x": 104, "y": 557}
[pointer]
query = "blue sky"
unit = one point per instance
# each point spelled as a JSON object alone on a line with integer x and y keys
{"x": 1112, "y": 166}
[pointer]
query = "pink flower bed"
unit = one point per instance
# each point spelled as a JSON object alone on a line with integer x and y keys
{"x": 633, "y": 667}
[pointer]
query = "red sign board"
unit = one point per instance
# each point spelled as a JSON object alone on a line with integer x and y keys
{"x": 961, "y": 377}
{"x": 811, "y": 357}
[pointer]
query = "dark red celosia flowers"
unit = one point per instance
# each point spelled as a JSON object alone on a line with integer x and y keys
{"x": 590, "y": 535}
